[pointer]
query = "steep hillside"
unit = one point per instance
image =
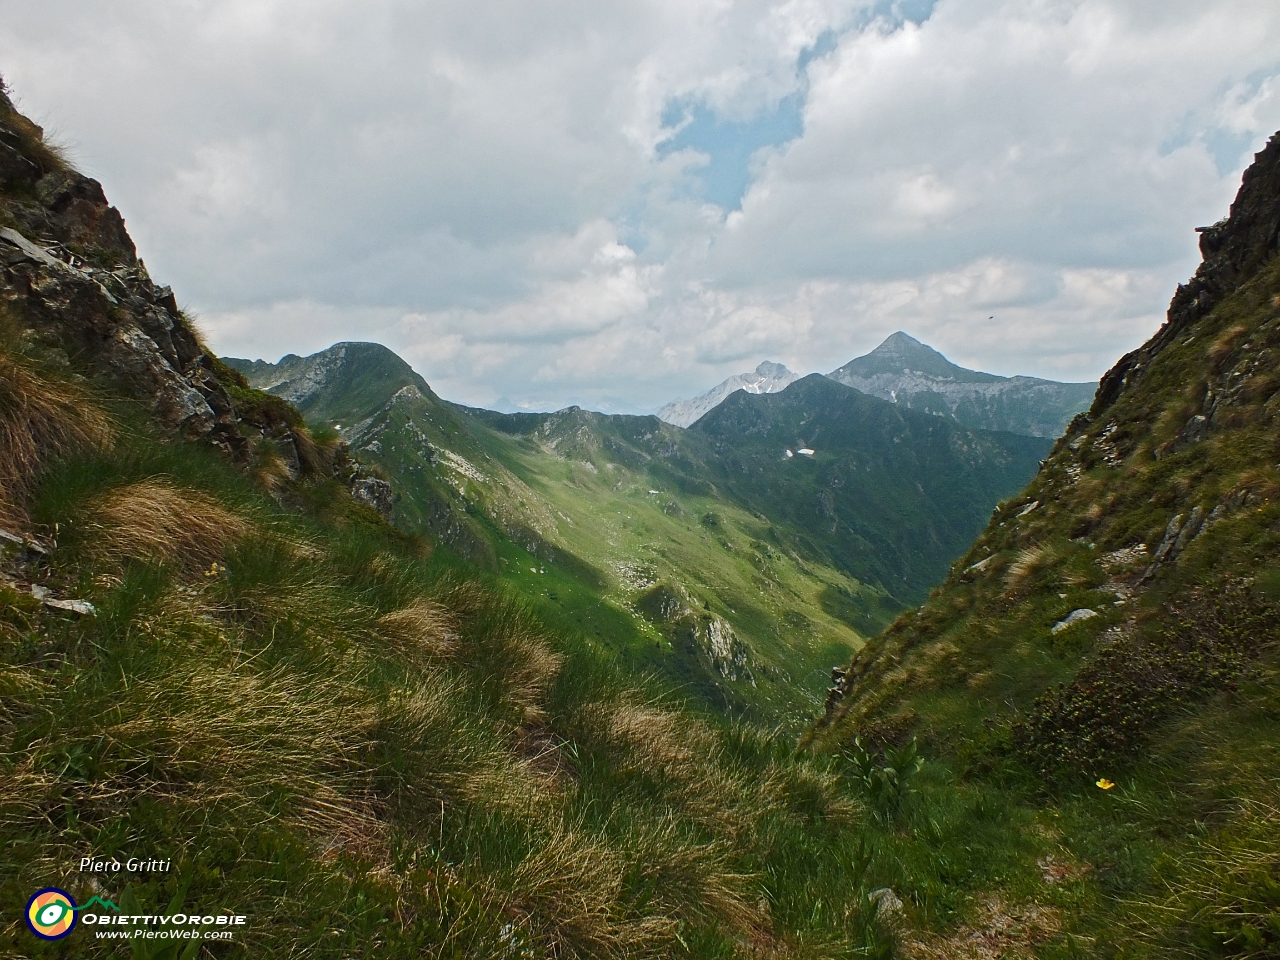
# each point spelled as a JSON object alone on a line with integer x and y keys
{"x": 866, "y": 485}
{"x": 766, "y": 378}
{"x": 1109, "y": 648}
{"x": 584, "y": 515}
{"x": 905, "y": 371}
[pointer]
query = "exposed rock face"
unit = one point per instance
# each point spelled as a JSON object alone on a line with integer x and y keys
{"x": 375, "y": 493}
{"x": 1233, "y": 249}
{"x": 705, "y": 635}
{"x": 69, "y": 275}
{"x": 71, "y": 282}
{"x": 904, "y": 370}
{"x": 767, "y": 378}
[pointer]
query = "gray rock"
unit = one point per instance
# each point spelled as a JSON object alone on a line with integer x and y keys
{"x": 980, "y": 565}
{"x": 1181, "y": 530}
{"x": 375, "y": 493}
{"x": 887, "y": 903}
{"x": 81, "y": 607}
{"x": 905, "y": 371}
{"x": 767, "y": 378}
{"x": 1072, "y": 618}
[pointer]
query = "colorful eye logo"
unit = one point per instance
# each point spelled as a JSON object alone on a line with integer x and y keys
{"x": 51, "y": 913}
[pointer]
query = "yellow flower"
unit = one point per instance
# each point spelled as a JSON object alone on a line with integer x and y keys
{"x": 1105, "y": 784}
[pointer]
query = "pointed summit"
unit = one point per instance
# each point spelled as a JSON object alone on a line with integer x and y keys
{"x": 904, "y": 370}
{"x": 901, "y": 353}
{"x": 359, "y": 377}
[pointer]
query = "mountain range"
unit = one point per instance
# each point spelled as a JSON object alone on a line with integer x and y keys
{"x": 905, "y": 371}
{"x": 729, "y": 512}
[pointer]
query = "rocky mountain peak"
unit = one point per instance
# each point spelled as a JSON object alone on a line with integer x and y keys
{"x": 902, "y": 346}
{"x": 903, "y": 370}
{"x": 901, "y": 353}
{"x": 319, "y": 385}
{"x": 767, "y": 369}
{"x": 768, "y": 377}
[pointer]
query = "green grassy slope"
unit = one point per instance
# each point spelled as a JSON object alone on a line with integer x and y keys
{"x": 364, "y": 748}
{"x": 1106, "y": 654}
{"x": 372, "y": 748}
{"x": 594, "y": 516}
{"x": 687, "y": 561}
{"x": 892, "y": 493}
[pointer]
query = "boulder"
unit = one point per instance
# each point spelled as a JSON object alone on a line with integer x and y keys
{"x": 374, "y": 493}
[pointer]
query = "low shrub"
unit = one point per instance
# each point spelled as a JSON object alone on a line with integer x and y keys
{"x": 1124, "y": 690}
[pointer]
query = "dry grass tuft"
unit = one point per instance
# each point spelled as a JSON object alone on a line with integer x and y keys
{"x": 343, "y": 824}
{"x": 40, "y": 420}
{"x": 154, "y": 520}
{"x": 658, "y": 740}
{"x": 1260, "y": 484}
{"x": 1000, "y": 931}
{"x": 267, "y": 466}
{"x": 311, "y": 460}
{"x": 532, "y": 668}
{"x": 1228, "y": 887}
{"x": 1025, "y": 566}
{"x": 1226, "y": 344}
{"x": 424, "y": 629}
{"x": 567, "y": 893}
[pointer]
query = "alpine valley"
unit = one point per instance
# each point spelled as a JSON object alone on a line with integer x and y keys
{"x": 740, "y": 558}
{"x": 393, "y": 677}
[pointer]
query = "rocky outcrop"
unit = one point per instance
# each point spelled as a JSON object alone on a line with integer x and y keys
{"x": 71, "y": 279}
{"x": 706, "y": 636}
{"x": 1233, "y": 249}
{"x": 374, "y": 493}
{"x": 71, "y": 284}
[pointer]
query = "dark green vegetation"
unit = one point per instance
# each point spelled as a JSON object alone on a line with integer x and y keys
{"x": 776, "y": 563}
{"x": 888, "y": 492}
{"x": 914, "y": 375}
{"x": 1107, "y": 654}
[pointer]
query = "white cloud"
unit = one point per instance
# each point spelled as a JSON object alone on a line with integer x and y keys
{"x": 477, "y": 185}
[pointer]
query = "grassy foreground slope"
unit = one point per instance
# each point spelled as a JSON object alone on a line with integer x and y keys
{"x": 1107, "y": 654}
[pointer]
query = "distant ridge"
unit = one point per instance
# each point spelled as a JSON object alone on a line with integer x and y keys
{"x": 768, "y": 377}
{"x": 346, "y": 378}
{"x": 905, "y": 371}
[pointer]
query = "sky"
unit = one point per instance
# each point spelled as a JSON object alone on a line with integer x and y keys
{"x": 618, "y": 204}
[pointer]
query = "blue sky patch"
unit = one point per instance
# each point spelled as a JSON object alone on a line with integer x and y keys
{"x": 729, "y": 144}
